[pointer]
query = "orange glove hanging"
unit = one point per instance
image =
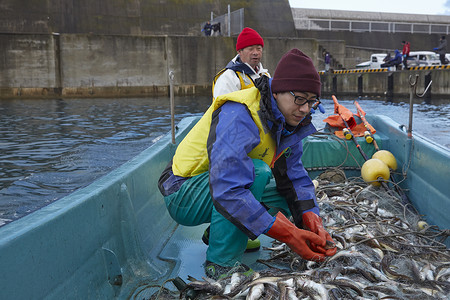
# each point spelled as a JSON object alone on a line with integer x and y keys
{"x": 298, "y": 240}
{"x": 313, "y": 222}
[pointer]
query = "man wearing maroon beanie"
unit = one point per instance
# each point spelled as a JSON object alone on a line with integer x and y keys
{"x": 240, "y": 170}
{"x": 244, "y": 68}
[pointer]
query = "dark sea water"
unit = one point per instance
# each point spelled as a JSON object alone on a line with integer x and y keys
{"x": 50, "y": 148}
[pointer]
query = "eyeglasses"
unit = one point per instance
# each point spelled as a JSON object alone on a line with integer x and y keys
{"x": 300, "y": 101}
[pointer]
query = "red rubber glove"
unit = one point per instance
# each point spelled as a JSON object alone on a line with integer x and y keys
{"x": 297, "y": 239}
{"x": 313, "y": 222}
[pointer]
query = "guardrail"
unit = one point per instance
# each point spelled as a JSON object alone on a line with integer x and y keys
{"x": 370, "y": 26}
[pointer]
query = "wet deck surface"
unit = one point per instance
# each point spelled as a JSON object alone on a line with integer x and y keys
{"x": 185, "y": 255}
{"x": 187, "y": 243}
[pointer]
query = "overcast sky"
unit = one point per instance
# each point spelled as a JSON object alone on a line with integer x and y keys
{"x": 428, "y": 7}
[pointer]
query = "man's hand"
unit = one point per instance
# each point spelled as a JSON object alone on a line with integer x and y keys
{"x": 299, "y": 240}
{"x": 313, "y": 222}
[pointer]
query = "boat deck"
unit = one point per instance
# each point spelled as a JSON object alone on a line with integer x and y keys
{"x": 186, "y": 253}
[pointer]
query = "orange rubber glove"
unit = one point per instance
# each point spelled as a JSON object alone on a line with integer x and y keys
{"x": 298, "y": 240}
{"x": 313, "y": 222}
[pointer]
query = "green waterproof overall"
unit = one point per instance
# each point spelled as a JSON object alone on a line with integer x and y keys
{"x": 192, "y": 205}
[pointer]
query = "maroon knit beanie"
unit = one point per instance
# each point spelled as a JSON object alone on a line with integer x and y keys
{"x": 248, "y": 37}
{"x": 296, "y": 72}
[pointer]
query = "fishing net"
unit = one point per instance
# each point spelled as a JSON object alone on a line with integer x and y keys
{"x": 383, "y": 253}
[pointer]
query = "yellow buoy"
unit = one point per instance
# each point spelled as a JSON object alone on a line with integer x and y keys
{"x": 374, "y": 169}
{"x": 347, "y": 134}
{"x": 387, "y": 157}
{"x": 368, "y": 137}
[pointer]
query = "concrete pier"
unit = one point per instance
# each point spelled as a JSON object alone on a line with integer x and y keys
{"x": 88, "y": 65}
{"x": 116, "y": 48}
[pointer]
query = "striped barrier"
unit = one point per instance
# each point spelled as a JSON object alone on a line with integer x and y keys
{"x": 430, "y": 68}
{"x": 384, "y": 70}
{"x": 355, "y": 71}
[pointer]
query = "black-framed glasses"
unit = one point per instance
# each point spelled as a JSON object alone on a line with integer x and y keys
{"x": 300, "y": 101}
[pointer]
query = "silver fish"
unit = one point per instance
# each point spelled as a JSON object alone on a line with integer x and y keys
{"x": 314, "y": 290}
{"x": 255, "y": 292}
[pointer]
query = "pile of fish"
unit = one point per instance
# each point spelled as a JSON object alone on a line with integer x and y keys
{"x": 385, "y": 251}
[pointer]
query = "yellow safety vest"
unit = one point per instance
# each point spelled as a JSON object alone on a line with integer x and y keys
{"x": 191, "y": 156}
{"x": 239, "y": 75}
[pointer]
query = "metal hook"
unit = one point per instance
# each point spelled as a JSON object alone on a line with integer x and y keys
{"x": 413, "y": 91}
{"x": 424, "y": 92}
{"x": 413, "y": 85}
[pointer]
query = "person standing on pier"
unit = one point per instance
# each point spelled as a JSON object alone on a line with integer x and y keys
{"x": 405, "y": 53}
{"x": 244, "y": 68}
{"x": 442, "y": 49}
{"x": 327, "y": 61}
{"x": 222, "y": 172}
{"x": 207, "y": 28}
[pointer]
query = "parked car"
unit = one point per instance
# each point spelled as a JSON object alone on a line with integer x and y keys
{"x": 423, "y": 59}
{"x": 375, "y": 62}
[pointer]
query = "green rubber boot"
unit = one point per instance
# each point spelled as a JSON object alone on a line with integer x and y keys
{"x": 216, "y": 272}
{"x": 252, "y": 245}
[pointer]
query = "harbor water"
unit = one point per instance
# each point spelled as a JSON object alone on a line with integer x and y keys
{"x": 50, "y": 148}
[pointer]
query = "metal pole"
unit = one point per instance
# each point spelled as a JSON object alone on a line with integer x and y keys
{"x": 172, "y": 106}
{"x": 411, "y": 93}
{"x": 229, "y": 20}
{"x": 242, "y": 19}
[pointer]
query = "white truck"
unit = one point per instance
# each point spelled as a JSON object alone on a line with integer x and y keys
{"x": 415, "y": 59}
{"x": 375, "y": 62}
{"x": 423, "y": 59}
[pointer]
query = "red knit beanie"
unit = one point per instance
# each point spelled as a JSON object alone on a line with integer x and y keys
{"x": 296, "y": 72}
{"x": 248, "y": 37}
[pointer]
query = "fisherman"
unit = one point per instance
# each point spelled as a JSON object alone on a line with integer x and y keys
{"x": 207, "y": 28}
{"x": 405, "y": 53}
{"x": 395, "y": 61}
{"x": 244, "y": 68}
{"x": 240, "y": 74}
{"x": 221, "y": 171}
{"x": 441, "y": 50}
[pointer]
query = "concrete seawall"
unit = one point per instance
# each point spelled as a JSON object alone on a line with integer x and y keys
{"x": 87, "y": 65}
{"x": 80, "y": 65}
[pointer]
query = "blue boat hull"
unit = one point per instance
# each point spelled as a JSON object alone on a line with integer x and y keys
{"x": 115, "y": 240}
{"x": 426, "y": 166}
